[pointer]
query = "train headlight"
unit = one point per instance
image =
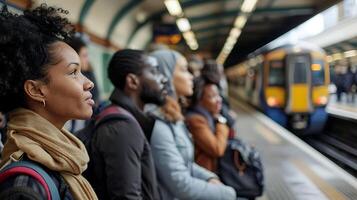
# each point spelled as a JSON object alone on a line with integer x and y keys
{"x": 322, "y": 100}
{"x": 272, "y": 101}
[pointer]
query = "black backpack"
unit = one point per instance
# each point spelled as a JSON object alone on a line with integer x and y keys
{"x": 241, "y": 168}
{"x": 86, "y": 135}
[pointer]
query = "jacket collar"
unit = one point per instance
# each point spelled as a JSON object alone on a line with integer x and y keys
{"x": 119, "y": 98}
{"x": 202, "y": 111}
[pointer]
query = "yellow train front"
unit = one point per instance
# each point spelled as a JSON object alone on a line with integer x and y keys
{"x": 289, "y": 84}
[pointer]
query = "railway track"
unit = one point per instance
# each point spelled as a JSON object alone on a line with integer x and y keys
{"x": 338, "y": 142}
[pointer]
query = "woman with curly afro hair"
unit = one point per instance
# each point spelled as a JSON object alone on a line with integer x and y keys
{"x": 42, "y": 87}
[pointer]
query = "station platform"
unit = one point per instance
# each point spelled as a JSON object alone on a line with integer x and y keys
{"x": 344, "y": 108}
{"x": 293, "y": 169}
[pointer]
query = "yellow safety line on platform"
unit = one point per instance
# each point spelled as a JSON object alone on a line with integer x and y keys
{"x": 267, "y": 134}
{"x": 324, "y": 186}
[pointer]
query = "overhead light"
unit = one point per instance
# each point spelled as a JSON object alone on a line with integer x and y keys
{"x": 351, "y": 53}
{"x": 189, "y": 35}
{"x": 192, "y": 43}
{"x": 226, "y": 51}
{"x": 174, "y": 8}
{"x": 141, "y": 17}
{"x": 248, "y": 6}
{"x": 231, "y": 40}
{"x": 260, "y": 59}
{"x": 329, "y": 59}
{"x": 183, "y": 24}
{"x": 240, "y": 21}
{"x": 337, "y": 56}
{"x": 193, "y": 46}
{"x": 235, "y": 32}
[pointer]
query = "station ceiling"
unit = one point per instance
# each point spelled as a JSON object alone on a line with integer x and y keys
{"x": 346, "y": 45}
{"x": 118, "y": 23}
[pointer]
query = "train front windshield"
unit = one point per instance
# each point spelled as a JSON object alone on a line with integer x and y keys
{"x": 276, "y": 74}
{"x": 301, "y": 67}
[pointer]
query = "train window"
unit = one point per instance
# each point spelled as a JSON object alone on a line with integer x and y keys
{"x": 318, "y": 73}
{"x": 300, "y": 72}
{"x": 276, "y": 74}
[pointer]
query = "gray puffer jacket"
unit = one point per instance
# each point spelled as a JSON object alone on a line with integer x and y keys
{"x": 178, "y": 175}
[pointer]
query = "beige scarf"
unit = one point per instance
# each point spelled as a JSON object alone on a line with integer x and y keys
{"x": 56, "y": 149}
{"x": 172, "y": 110}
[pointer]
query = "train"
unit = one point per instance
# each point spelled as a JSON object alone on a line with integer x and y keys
{"x": 289, "y": 84}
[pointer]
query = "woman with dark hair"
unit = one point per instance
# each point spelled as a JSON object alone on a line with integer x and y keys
{"x": 78, "y": 44}
{"x": 207, "y": 125}
{"x": 42, "y": 87}
{"x": 212, "y": 72}
{"x": 179, "y": 176}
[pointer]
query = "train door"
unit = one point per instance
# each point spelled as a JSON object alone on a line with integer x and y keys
{"x": 298, "y": 88}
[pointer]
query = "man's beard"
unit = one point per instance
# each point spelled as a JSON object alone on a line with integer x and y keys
{"x": 148, "y": 95}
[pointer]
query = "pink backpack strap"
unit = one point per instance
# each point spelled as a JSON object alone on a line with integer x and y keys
{"x": 35, "y": 171}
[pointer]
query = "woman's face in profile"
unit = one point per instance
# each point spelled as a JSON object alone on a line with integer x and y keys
{"x": 182, "y": 78}
{"x": 211, "y": 100}
{"x": 67, "y": 93}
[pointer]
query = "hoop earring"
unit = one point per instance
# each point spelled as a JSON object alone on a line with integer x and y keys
{"x": 44, "y": 103}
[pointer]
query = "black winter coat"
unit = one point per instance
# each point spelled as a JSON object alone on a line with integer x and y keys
{"x": 122, "y": 159}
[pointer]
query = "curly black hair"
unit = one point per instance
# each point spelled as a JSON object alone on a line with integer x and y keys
{"x": 25, "y": 43}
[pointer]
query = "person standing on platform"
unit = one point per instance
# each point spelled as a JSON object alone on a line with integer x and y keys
{"x": 212, "y": 72}
{"x": 208, "y": 127}
{"x": 41, "y": 88}
{"x": 179, "y": 176}
{"x": 123, "y": 166}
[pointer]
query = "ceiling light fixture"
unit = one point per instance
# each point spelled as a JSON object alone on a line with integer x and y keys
{"x": 174, "y": 8}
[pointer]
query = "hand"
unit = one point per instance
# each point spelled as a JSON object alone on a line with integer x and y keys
{"x": 214, "y": 181}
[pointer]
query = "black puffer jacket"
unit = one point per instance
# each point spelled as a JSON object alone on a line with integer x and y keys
{"x": 121, "y": 156}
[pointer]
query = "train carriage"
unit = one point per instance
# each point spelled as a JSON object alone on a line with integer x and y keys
{"x": 289, "y": 84}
